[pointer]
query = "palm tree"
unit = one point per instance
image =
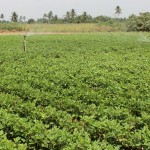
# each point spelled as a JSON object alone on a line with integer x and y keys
{"x": 118, "y": 10}
{"x": 14, "y": 17}
{"x": 84, "y": 16}
{"x": 72, "y": 14}
{"x": 50, "y": 16}
{"x": 67, "y": 16}
{"x": 45, "y": 20}
{"x": 2, "y": 16}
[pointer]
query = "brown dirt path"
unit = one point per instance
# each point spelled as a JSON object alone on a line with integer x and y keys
{"x": 32, "y": 33}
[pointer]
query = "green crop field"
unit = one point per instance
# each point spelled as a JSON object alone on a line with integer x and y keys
{"x": 75, "y": 92}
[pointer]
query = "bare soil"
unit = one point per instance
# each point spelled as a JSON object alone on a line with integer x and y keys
{"x": 37, "y": 33}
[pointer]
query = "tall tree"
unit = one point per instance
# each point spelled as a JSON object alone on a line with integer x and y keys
{"x": 50, "y": 16}
{"x": 14, "y": 17}
{"x": 67, "y": 16}
{"x": 45, "y": 18}
{"x": 118, "y": 10}
{"x": 72, "y": 15}
{"x": 2, "y": 16}
{"x": 84, "y": 16}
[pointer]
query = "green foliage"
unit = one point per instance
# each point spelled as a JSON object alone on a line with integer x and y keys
{"x": 31, "y": 21}
{"x": 118, "y": 10}
{"x": 1, "y": 16}
{"x": 139, "y": 23}
{"x": 12, "y": 27}
{"x": 14, "y": 17}
{"x": 75, "y": 92}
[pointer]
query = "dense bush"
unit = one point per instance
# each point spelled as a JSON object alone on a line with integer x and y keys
{"x": 139, "y": 23}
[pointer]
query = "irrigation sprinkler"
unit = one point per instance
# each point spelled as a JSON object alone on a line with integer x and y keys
{"x": 25, "y": 43}
{"x": 25, "y": 39}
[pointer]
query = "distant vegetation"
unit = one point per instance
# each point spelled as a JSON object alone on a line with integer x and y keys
{"x": 12, "y": 27}
{"x": 133, "y": 23}
{"x": 82, "y": 27}
{"x": 139, "y": 23}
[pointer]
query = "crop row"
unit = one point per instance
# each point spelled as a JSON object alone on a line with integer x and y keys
{"x": 88, "y": 91}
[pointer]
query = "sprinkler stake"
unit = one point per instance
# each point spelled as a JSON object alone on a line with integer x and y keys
{"x": 25, "y": 43}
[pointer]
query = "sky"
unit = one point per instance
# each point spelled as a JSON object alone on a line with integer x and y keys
{"x": 36, "y": 8}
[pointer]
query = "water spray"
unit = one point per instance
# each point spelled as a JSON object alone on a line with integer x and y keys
{"x": 27, "y": 34}
{"x": 25, "y": 39}
{"x": 143, "y": 38}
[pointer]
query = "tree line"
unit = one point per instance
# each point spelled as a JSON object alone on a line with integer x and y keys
{"x": 139, "y": 23}
{"x": 69, "y": 17}
{"x": 133, "y": 22}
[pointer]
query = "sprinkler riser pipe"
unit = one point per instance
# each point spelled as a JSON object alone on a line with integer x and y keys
{"x": 25, "y": 43}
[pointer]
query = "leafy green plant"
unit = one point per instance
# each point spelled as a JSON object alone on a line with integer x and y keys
{"x": 83, "y": 91}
